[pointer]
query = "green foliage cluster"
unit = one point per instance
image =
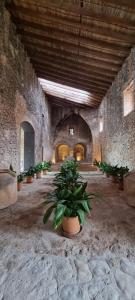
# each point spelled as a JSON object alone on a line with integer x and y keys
{"x": 69, "y": 198}
{"x": 115, "y": 170}
{"x": 20, "y": 177}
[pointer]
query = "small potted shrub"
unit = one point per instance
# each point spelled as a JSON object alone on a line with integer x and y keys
{"x": 45, "y": 167}
{"x": 70, "y": 201}
{"x": 38, "y": 170}
{"x": 113, "y": 171}
{"x": 121, "y": 173}
{"x": 49, "y": 165}
{"x": 30, "y": 175}
{"x": 19, "y": 181}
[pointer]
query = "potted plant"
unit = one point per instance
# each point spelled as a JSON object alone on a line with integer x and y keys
{"x": 30, "y": 175}
{"x": 70, "y": 201}
{"x": 113, "y": 171}
{"x": 49, "y": 165}
{"x": 19, "y": 181}
{"x": 45, "y": 167}
{"x": 121, "y": 173}
{"x": 38, "y": 170}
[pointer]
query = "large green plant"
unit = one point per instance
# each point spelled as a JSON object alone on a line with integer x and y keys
{"x": 30, "y": 172}
{"x": 70, "y": 198}
{"x": 20, "y": 178}
{"x": 47, "y": 165}
{"x": 121, "y": 172}
{"x": 39, "y": 167}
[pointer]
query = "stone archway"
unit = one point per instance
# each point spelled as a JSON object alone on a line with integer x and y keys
{"x": 62, "y": 152}
{"x": 27, "y": 146}
{"x": 74, "y": 132}
{"x": 79, "y": 152}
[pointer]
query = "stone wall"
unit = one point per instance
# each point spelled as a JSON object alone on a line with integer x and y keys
{"x": 89, "y": 116}
{"x": 21, "y": 98}
{"x": 118, "y": 136}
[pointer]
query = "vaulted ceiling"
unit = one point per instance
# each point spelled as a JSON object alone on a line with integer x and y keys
{"x": 79, "y": 43}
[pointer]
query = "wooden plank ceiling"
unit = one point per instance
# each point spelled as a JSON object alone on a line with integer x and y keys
{"x": 79, "y": 43}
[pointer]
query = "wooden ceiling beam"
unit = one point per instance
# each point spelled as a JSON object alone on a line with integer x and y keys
{"x": 121, "y": 3}
{"x": 78, "y": 68}
{"x": 86, "y": 10}
{"x": 68, "y": 60}
{"x": 89, "y": 88}
{"x": 69, "y": 82}
{"x": 73, "y": 50}
{"x": 64, "y": 74}
{"x": 23, "y": 14}
{"x": 58, "y": 101}
{"x": 88, "y": 42}
{"x": 84, "y": 79}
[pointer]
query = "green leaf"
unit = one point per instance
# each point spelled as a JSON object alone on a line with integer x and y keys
{"x": 59, "y": 212}
{"x": 78, "y": 191}
{"x": 58, "y": 217}
{"x": 48, "y": 213}
{"x": 85, "y": 206}
{"x": 68, "y": 212}
{"x": 57, "y": 223}
{"x": 81, "y": 215}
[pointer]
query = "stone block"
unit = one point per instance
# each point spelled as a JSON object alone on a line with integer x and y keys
{"x": 129, "y": 184}
{"x": 8, "y": 188}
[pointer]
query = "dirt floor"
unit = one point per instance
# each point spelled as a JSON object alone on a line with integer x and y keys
{"x": 109, "y": 232}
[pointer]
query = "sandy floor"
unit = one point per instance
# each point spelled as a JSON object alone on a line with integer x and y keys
{"x": 110, "y": 226}
{"x": 109, "y": 231}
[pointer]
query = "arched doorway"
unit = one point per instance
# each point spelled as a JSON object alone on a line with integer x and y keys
{"x": 79, "y": 152}
{"x": 27, "y": 146}
{"x": 75, "y": 132}
{"x": 63, "y": 151}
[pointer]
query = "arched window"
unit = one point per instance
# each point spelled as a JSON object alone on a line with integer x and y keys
{"x": 27, "y": 146}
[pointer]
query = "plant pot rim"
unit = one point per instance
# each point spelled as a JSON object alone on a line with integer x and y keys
{"x": 71, "y": 236}
{"x": 71, "y": 217}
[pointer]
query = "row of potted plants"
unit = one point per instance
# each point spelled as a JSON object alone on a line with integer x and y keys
{"x": 115, "y": 172}
{"x": 69, "y": 201}
{"x": 40, "y": 168}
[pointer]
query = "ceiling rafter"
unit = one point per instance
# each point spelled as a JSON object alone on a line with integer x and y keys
{"x": 82, "y": 46}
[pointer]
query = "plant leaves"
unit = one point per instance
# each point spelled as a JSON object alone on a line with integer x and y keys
{"x": 59, "y": 212}
{"x": 48, "y": 213}
{"x": 81, "y": 215}
{"x": 85, "y": 206}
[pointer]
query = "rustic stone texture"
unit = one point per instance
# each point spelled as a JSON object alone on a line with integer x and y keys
{"x": 8, "y": 188}
{"x": 129, "y": 182}
{"x": 21, "y": 98}
{"x": 82, "y": 135}
{"x": 118, "y": 137}
{"x": 90, "y": 116}
{"x": 36, "y": 262}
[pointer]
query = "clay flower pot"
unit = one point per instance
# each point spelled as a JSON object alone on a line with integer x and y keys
{"x": 38, "y": 175}
{"x": 29, "y": 179}
{"x": 45, "y": 172}
{"x": 113, "y": 178}
{"x": 121, "y": 185}
{"x": 19, "y": 186}
{"x": 71, "y": 225}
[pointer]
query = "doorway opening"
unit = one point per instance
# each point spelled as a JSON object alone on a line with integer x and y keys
{"x": 27, "y": 146}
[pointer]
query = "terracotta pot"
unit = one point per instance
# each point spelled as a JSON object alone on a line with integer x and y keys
{"x": 45, "y": 172}
{"x": 71, "y": 225}
{"x": 114, "y": 178}
{"x": 19, "y": 186}
{"x": 29, "y": 179}
{"x": 38, "y": 175}
{"x": 121, "y": 185}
